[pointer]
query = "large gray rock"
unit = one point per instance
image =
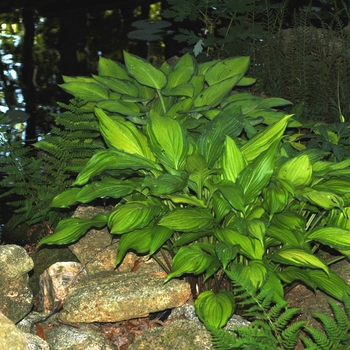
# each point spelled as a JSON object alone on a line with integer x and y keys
{"x": 179, "y": 335}
{"x": 16, "y": 298}
{"x": 10, "y": 337}
{"x": 113, "y": 296}
{"x": 70, "y": 338}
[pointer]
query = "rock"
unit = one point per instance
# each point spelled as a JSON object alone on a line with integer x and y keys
{"x": 70, "y": 338}
{"x": 35, "y": 343}
{"x": 43, "y": 259}
{"x": 113, "y": 296}
{"x": 178, "y": 335}
{"x": 54, "y": 284}
{"x": 10, "y": 337}
{"x": 96, "y": 250}
{"x": 16, "y": 299}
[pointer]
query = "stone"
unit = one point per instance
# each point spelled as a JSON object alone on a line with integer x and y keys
{"x": 97, "y": 249}
{"x": 35, "y": 343}
{"x": 178, "y": 335}
{"x": 16, "y": 298}
{"x": 113, "y": 297}
{"x": 54, "y": 284}
{"x": 70, "y": 338}
{"x": 11, "y": 337}
{"x": 14, "y": 261}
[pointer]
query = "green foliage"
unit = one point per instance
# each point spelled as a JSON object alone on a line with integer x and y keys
{"x": 194, "y": 170}
{"x": 336, "y": 333}
{"x": 308, "y": 65}
{"x": 33, "y": 176}
{"x": 271, "y": 326}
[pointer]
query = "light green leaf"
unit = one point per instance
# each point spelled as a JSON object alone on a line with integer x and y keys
{"x": 123, "y": 87}
{"x": 265, "y": 139}
{"x": 226, "y": 252}
{"x": 298, "y": 257}
{"x": 233, "y": 193}
{"x": 256, "y": 272}
{"x": 297, "y": 171}
{"x": 110, "y": 68}
{"x": 159, "y": 236}
{"x": 123, "y": 135}
{"x": 334, "y": 237}
{"x": 214, "y": 94}
{"x": 168, "y": 140}
{"x": 250, "y": 247}
{"x": 330, "y": 283}
{"x": 181, "y": 75}
{"x": 87, "y": 91}
{"x": 188, "y": 220}
{"x": 189, "y": 260}
{"x": 113, "y": 159}
{"x": 166, "y": 183}
{"x": 107, "y": 187}
{"x": 144, "y": 72}
{"x": 273, "y": 102}
{"x": 121, "y": 107}
{"x": 132, "y": 215}
{"x": 257, "y": 174}
{"x": 71, "y": 229}
{"x": 180, "y": 90}
{"x": 66, "y": 198}
{"x": 215, "y": 309}
{"x": 138, "y": 240}
{"x": 232, "y": 160}
{"x": 231, "y": 67}
{"x": 326, "y": 200}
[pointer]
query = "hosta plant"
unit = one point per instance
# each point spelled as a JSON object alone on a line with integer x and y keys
{"x": 199, "y": 169}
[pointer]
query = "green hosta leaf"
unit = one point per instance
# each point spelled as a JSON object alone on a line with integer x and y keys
{"x": 246, "y": 81}
{"x": 66, "y": 198}
{"x": 275, "y": 200}
{"x": 326, "y": 200}
{"x": 215, "y": 309}
{"x": 121, "y": 107}
{"x": 68, "y": 79}
{"x": 250, "y": 247}
{"x": 138, "y": 240}
{"x": 273, "y": 102}
{"x": 274, "y": 282}
{"x": 297, "y": 171}
{"x": 256, "y": 175}
{"x": 337, "y": 186}
{"x": 232, "y": 160}
{"x": 215, "y": 266}
{"x": 144, "y": 72}
{"x": 263, "y": 140}
{"x": 107, "y": 187}
{"x": 232, "y": 67}
{"x": 181, "y": 75}
{"x": 226, "y": 252}
{"x": 189, "y": 238}
{"x": 214, "y": 94}
{"x": 180, "y": 90}
{"x": 186, "y": 199}
{"x": 187, "y": 60}
{"x": 291, "y": 274}
{"x": 257, "y": 229}
{"x": 113, "y": 159}
{"x": 334, "y": 237}
{"x": 71, "y": 229}
{"x": 233, "y": 193}
{"x": 189, "y": 260}
{"x": 330, "y": 283}
{"x": 255, "y": 271}
{"x": 159, "y": 236}
{"x": 197, "y": 82}
{"x": 178, "y": 107}
{"x": 298, "y": 257}
{"x": 211, "y": 142}
{"x": 132, "y": 215}
{"x": 166, "y": 183}
{"x": 198, "y": 170}
{"x": 110, "y": 68}
{"x": 123, "y": 135}
{"x": 168, "y": 140}
{"x": 87, "y": 91}
{"x": 188, "y": 220}
{"x": 123, "y": 87}
{"x": 221, "y": 206}
{"x": 285, "y": 235}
